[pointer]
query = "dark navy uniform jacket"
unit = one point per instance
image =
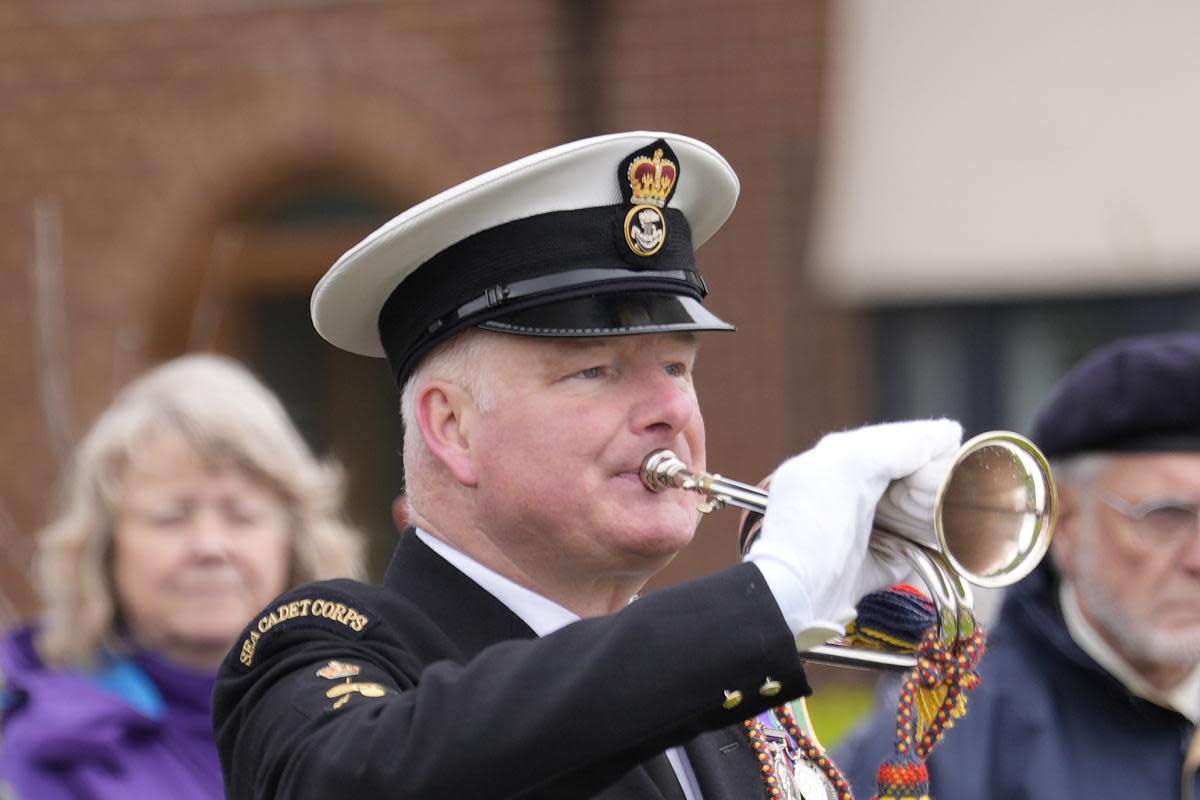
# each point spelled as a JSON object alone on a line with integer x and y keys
{"x": 428, "y": 687}
{"x": 1047, "y": 722}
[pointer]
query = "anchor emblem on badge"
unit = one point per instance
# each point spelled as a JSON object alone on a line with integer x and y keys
{"x": 645, "y": 230}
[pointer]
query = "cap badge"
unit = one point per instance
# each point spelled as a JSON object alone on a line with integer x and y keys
{"x": 650, "y": 174}
{"x": 645, "y": 230}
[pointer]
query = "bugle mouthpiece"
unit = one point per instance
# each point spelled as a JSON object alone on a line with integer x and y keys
{"x": 662, "y": 469}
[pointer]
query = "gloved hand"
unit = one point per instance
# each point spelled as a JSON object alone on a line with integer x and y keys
{"x": 812, "y": 550}
{"x": 907, "y": 505}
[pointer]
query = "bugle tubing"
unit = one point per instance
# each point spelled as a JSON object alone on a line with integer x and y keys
{"x": 993, "y": 519}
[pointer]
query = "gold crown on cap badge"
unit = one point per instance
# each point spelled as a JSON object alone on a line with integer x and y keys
{"x": 652, "y": 179}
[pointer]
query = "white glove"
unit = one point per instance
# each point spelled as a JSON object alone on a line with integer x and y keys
{"x": 907, "y": 505}
{"x": 812, "y": 550}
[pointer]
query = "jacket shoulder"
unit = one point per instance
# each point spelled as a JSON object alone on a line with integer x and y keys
{"x": 337, "y": 609}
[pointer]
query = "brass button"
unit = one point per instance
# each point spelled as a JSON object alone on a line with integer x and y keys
{"x": 770, "y": 687}
{"x": 732, "y": 699}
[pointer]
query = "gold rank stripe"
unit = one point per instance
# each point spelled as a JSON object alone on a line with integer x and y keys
{"x": 332, "y": 610}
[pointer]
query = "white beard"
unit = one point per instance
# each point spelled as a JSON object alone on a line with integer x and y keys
{"x": 1135, "y": 631}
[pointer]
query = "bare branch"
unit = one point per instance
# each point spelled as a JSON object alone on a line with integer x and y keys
{"x": 50, "y": 347}
{"x": 213, "y": 296}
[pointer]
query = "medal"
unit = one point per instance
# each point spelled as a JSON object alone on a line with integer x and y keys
{"x": 796, "y": 777}
{"x": 784, "y": 776}
{"x": 811, "y": 783}
{"x": 793, "y": 763}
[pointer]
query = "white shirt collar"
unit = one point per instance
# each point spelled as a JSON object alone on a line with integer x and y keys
{"x": 1184, "y": 698}
{"x": 542, "y": 615}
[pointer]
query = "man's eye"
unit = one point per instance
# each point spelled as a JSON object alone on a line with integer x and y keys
{"x": 1171, "y": 517}
{"x": 590, "y": 372}
{"x": 678, "y": 369}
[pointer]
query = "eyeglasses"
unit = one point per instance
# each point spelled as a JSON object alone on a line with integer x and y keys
{"x": 1164, "y": 521}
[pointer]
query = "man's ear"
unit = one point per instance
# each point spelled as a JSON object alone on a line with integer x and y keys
{"x": 1065, "y": 542}
{"x": 445, "y": 416}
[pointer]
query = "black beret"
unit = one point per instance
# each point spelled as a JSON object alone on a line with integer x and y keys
{"x": 1140, "y": 394}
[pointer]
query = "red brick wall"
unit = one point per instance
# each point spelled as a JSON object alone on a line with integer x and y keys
{"x": 142, "y": 130}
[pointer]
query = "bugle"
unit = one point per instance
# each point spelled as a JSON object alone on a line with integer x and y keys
{"x": 993, "y": 518}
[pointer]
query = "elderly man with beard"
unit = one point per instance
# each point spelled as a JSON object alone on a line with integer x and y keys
{"x": 1091, "y": 686}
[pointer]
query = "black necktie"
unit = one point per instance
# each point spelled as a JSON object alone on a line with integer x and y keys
{"x": 664, "y": 777}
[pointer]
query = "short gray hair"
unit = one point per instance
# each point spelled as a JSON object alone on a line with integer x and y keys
{"x": 1079, "y": 469}
{"x": 229, "y": 417}
{"x": 464, "y": 360}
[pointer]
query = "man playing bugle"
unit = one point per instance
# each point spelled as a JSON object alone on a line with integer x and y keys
{"x": 542, "y": 321}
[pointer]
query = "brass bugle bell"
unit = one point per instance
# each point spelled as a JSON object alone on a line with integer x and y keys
{"x": 994, "y": 516}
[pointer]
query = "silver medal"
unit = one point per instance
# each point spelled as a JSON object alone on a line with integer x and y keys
{"x": 784, "y": 775}
{"x": 811, "y": 782}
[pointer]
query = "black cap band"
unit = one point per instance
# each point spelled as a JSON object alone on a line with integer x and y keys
{"x": 530, "y": 262}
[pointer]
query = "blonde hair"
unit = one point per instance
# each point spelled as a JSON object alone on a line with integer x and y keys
{"x": 230, "y": 418}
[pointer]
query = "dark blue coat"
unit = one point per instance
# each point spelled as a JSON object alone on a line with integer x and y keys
{"x": 457, "y": 699}
{"x": 1047, "y": 723}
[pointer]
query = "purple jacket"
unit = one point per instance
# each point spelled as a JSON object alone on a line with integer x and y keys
{"x": 64, "y": 735}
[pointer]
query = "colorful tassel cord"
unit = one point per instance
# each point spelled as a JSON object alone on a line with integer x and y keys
{"x": 897, "y": 619}
{"x": 934, "y": 692}
{"x": 932, "y": 697}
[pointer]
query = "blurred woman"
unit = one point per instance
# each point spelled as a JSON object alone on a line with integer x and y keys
{"x": 190, "y": 504}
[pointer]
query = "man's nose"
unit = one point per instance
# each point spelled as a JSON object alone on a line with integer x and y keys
{"x": 1190, "y": 557}
{"x": 665, "y": 402}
